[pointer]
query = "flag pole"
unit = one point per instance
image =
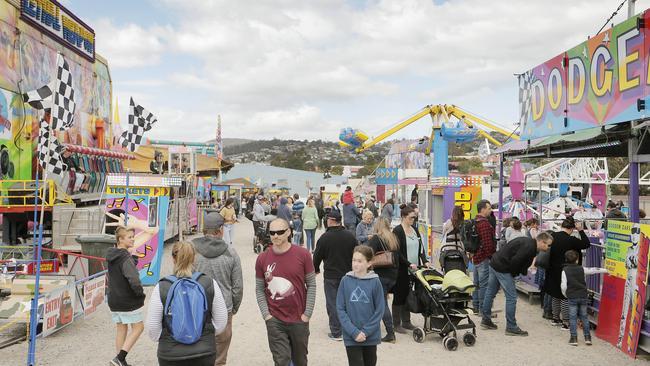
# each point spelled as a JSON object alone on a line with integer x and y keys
{"x": 33, "y": 315}
{"x": 126, "y": 198}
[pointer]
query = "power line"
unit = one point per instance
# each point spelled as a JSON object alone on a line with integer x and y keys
{"x": 612, "y": 16}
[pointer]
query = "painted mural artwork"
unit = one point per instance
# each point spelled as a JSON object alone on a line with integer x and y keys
{"x": 622, "y": 302}
{"x": 403, "y": 156}
{"x": 15, "y": 152}
{"x": 144, "y": 215}
{"x": 602, "y": 81}
{"x": 34, "y": 61}
{"x": 9, "y": 75}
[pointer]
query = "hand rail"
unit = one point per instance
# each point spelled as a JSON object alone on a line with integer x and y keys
{"x": 25, "y": 197}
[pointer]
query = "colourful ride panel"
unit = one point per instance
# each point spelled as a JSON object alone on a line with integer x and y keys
{"x": 147, "y": 209}
{"x": 602, "y": 81}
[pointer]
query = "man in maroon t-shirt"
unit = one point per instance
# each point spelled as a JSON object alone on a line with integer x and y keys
{"x": 285, "y": 287}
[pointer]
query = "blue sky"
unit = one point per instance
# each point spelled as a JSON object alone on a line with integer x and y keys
{"x": 305, "y": 69}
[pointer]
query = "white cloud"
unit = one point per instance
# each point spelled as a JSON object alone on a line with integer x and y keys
{"x": 284, "y": 67}
{"x": 128, "y": 46}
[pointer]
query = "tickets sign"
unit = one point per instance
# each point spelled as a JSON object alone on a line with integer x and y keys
{"x": 60, "y": 24}
{"x": 139, "y": 191}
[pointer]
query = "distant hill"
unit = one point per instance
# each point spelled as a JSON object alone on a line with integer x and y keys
{"x": 322, "y": 155}
{"x": 304, "y": 155}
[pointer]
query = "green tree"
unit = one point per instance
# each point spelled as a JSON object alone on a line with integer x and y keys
{"x": 472, "y": 165}
{"x": 337, "y": 170}
{"x": 325, "y": 165}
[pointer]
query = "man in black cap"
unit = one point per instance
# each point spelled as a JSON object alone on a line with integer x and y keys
{"x": 335, "y": 248}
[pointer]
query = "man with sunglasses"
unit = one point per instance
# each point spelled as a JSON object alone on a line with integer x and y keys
{"x": 285, "y": 288}
{"x": 335, "y": 248}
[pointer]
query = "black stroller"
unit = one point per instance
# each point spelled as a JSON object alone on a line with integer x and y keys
{"x": 443, "y": 302}
{"x": 262, "y": 238}
{"x": 452, "y": 256}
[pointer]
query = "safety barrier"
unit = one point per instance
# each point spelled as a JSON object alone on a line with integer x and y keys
{"x": 20, "y": 193}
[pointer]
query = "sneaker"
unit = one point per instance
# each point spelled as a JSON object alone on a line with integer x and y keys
{"x": 588, "y": 340}
{"x": 400, "y": 330}
{"x": 516, "y": 332}
{"x": 488, "y": 325}
{"x": 556, "y": 322}
{"x": 573, "y": 341}
{"x": 548, "y": 316}
{"x": 334, "y": 337}
{"x": 116, "y": 362}
{"x": 389, "y": 338}
{"x": 408, "y": 326}
{"x": 565, "y": 326}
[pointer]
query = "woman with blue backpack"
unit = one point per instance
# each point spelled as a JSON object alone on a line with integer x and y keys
{"x": 186, "y": 311}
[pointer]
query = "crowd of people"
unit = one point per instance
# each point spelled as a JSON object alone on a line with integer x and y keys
{"x": 366, "y": 255}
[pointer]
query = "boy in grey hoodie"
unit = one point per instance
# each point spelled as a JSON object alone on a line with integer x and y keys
{"x": 220, "y": 261}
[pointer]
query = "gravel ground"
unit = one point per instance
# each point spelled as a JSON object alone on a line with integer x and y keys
{"x": 91, "y": 341}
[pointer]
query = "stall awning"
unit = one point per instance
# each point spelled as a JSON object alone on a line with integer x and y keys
{"x": 607, "y": 141}
{"x": 245, "y": 183}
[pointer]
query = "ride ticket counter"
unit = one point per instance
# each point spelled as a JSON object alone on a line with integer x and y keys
{"x": 141, "y": 202}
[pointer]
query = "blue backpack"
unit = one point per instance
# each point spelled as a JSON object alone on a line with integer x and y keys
{"x": 186, "y": 309}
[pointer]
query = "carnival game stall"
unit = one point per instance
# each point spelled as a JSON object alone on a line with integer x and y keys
{"x": 589, "y": 115}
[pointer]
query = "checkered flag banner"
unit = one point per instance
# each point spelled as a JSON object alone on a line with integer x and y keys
{"x": 140, "y": 121}
{"x": 525, "y": 97}
{"x": 56, "y": 97}
{"x": 49, "y": 150}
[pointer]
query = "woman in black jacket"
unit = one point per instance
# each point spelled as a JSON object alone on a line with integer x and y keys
{"x": 563, "y": 241}
{"x": 411, "y": 254}
{"x": 384, "y": 240}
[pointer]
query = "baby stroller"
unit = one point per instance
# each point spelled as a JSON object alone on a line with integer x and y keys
{"x": 443, "y": 302}
{"x": 262, "y": 238}
{"x": 452, "y": 256}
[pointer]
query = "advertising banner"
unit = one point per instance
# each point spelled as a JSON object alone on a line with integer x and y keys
{"x": 59, "y": 23}
{"x": 602, "y": 81}
{"x": 616, "y": 246}
{"x": 94, "y": 294}
{"x": 623, "y": 296}
{"x": 59, "y": 309}
{"x": 147, "y": 213}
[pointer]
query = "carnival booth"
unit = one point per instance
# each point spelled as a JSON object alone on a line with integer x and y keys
{"x": 143, "y": 202}
{"x": 564, "y": 114}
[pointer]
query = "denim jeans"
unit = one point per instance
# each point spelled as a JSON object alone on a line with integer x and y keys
{"x": 578, "y": 308}
{"x": 310, "y": 236}
{"x": 548, "y": 303}
{"x": 387, "y": 284}
{"x": 297, "y": 237}
{"x": 331, "y": 289}
{"x": 481, "y": 276}
{"x": 507, "y": 283}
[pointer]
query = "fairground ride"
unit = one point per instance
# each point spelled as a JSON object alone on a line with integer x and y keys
{"x": 450, "y": 124}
